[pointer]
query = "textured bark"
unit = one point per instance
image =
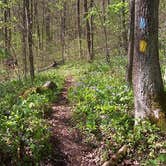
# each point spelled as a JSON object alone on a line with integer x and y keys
{"x": 131, "y": 43}
{"x": 147, "y": 81}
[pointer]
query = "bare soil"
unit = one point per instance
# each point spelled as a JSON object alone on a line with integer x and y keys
{"x": 68, "y": 149}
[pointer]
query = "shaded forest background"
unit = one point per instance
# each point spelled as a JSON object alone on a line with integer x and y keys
{"x": 45, "y": 31}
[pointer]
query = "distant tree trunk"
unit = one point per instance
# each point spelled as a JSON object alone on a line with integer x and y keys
{"x": 7, "y": 31}
{"x": 48, "y": 26}
{"x": 92, "y": 31}
{"x": 124, "y": 29}
{"x": 131, "y": 43}
{"x": 29, "y": 8}
{"x": 37, "y": 26}
{"x": 24, "y": 39}
{"x": 79, "y": 28}
{"x": 105, "y": 32}
{"x": 88, "y": 32}
{"x": 43, "y": 25}
{"x": 147, "y": 81}
{"x": 63, "y": 29}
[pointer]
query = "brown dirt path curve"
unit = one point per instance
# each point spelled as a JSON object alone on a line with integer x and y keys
{"x": 68, "y": 149}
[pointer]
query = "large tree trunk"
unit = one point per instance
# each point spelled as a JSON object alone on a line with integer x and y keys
{"x": 131, "y": 43}
{"x": 147, "y": 81}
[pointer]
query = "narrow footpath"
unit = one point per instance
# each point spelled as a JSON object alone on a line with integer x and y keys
{"x": 68, "y": 149}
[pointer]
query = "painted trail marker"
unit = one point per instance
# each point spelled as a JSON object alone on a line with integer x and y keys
{"x": 142, "y": 23}
{"x": 142, "y": 46}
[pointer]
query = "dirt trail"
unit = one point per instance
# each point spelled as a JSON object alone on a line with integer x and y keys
{"x": 67, "y": 147}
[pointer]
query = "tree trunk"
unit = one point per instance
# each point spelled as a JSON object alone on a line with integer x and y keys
{"x": 79, "y": 28}
{"x": 7, "y": 31}
{"x": 147, "y": 81}
{"x": 124, "y": 29}
{"x": 88, "y": 32}
{"x": 131, "y": 43}
{"x": 37, "y": 26}
{"x": 105, "y": 31}
{"x": 43, "y": 26}
{"x": 48, "y": 26}
{"x": 24, "y": 39}
{"x": 63, "y": 30}
{"x": 29, "y": 8}
{"x": 92, "y": 31}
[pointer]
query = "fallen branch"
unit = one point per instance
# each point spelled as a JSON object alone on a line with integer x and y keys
{"x": 53, "y": 65}
{"x": 117, "y": 157}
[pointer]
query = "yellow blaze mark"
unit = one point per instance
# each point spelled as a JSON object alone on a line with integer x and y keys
{"x": 142, "y": 46}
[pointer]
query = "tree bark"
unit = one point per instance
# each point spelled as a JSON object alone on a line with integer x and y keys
{"x": 48, "y": 25}
{"x": 63, "y": 30}
{"x": 79, "y": 28}
{"x": 147, "y": 81}
{"x": 124, "y": 29}
{"x": 131, "y": 43}
{"x": 88, "y": 31}
{"x": 92, "y": 31}
{"x": 7, "y": 31}
{"x": 29, "y": 8}
{"x": 105, "y": 32}
{"x": 24, "y": 39}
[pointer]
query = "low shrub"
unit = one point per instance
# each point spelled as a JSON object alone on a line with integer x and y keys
{"x": 24, "y": 133}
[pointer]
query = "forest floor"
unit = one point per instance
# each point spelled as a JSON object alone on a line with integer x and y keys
{"x": 68, "y": 147}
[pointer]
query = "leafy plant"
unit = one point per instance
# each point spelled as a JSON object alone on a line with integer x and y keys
{"x": 24, "y": 133}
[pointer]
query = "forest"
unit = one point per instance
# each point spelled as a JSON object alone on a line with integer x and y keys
{"x": 82, "y": 82}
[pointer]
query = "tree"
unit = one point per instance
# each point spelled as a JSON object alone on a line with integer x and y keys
{"x": 124, "y": 29}
{"x": 63, "y": 30}
{"x": 79, "y": 28}
{"x": 88, "y": 30}
{"x": 24, "y": 38}
{"x": 29, "y": 8}
{"x": 103, "y": 22}
{"x": 131, "y": 43}
{"x": 7, "y": 30}
{"x": 92, "y": 31}
{"x": 147, "y": 81}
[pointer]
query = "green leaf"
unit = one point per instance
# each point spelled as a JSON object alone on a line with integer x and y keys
{"x": 4, "y": 54}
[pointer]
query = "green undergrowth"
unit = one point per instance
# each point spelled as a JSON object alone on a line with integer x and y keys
{"x": 24, "y": 132}
{"x": 104, "y": 111}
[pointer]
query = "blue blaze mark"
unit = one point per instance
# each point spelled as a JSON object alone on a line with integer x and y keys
{"x": 142, "y": 23}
